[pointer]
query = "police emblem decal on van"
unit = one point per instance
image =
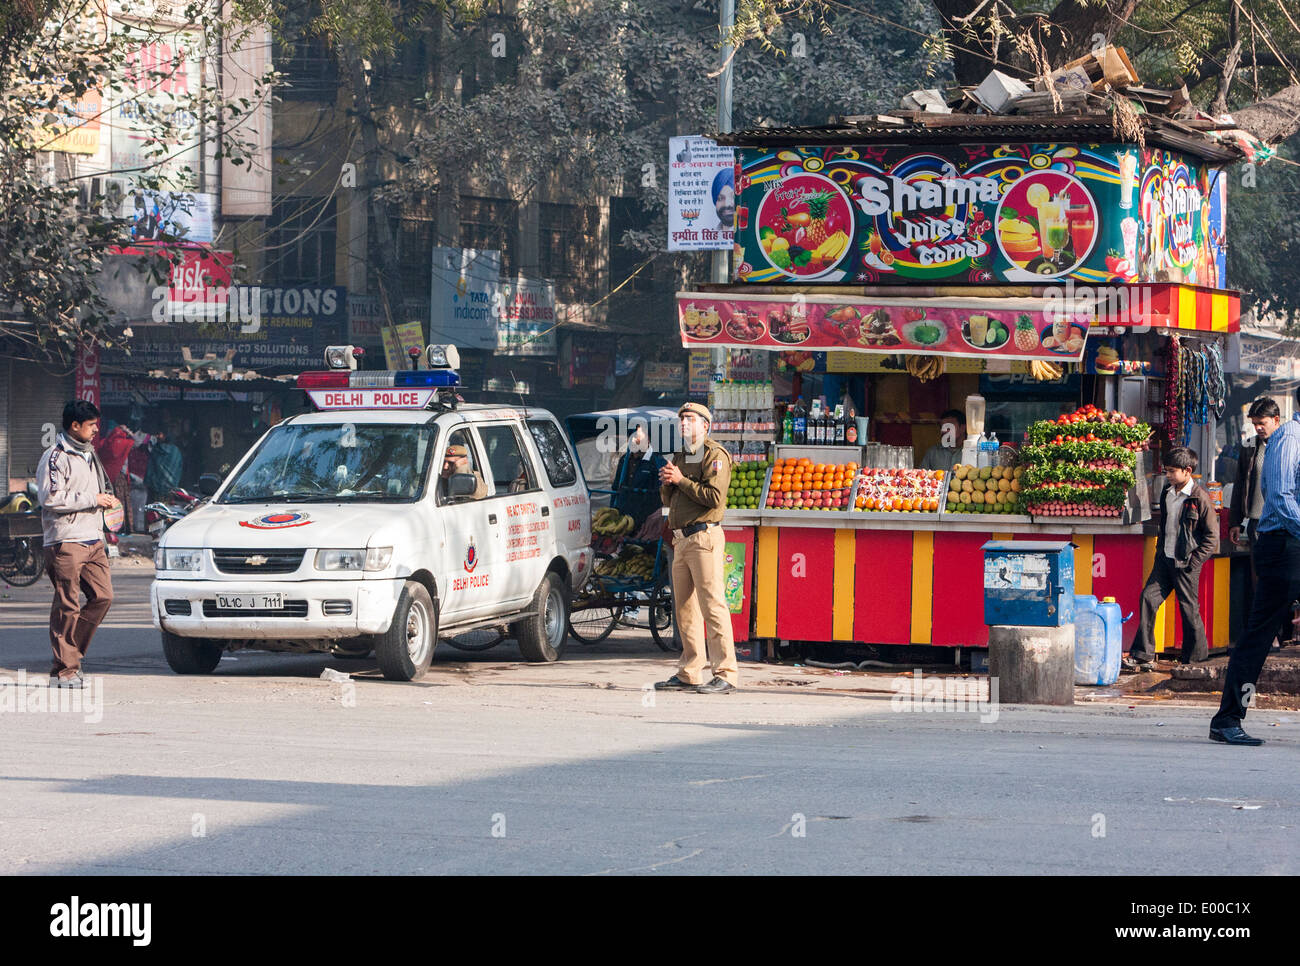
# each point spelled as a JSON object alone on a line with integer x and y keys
{"x": 471, "y": 557}
{"x": 277, "y": 521}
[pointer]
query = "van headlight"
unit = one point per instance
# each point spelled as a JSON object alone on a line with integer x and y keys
{"x": 183, "y": 560}
{"x": 376, "y": 558}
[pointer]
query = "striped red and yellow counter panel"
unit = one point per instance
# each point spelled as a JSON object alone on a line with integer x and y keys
{"x": 885, "y": 586}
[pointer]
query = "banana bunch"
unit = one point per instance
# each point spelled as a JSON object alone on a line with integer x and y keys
{"x": 633, "y": 562}
{"x": 831, "y": 249}
{"x": 926, "y": 368}
{"x": 609, "y": 522}
{"x": 1045, "y": 371}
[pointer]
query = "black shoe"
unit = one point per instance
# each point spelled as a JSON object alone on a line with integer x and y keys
{"x": 675, "y": 683}
{"x": 1129, "y": 664}
{"x": 1233, "y": 736}
{"x": 716, "y": 686}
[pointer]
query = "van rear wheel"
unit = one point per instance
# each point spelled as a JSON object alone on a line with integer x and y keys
{"x": 405, "y": 650}
{"x": 542, "y": 636}
{"x": 191, "y": 655}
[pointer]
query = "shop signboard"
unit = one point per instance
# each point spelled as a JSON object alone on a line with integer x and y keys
{"x": 701, "y": 195}
{"x": 982, "y": 213}
{"x": 663, "y": 376}
{"x": 72, "y": 127}
{"x": 526, "y": 318}
{"x": 169, "y": 216}
{"x": 288, "y": 328}
{"x": 591, "y": 362}
{"x": 1270, "y": 355}
{"x": 163, "y": 80}
{"x": 466, "y": 289}
{"x": 1002, "y": 328}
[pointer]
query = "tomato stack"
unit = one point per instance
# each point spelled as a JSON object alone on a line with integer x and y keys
{"x": 1081, "y": 464}
{"x": 801, "y": 484}
{"x": 905, "y": 491}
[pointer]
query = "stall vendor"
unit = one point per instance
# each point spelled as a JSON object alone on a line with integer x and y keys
{"x": 946, "y": 453}
{"x": 636, "y": 482}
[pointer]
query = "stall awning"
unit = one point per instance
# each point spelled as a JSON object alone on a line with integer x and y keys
{"x": 1024, "y": 323}
{"x": 972, "y": 327}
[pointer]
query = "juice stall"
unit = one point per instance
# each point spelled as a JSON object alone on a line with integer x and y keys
{"x": 1064, "y": 295}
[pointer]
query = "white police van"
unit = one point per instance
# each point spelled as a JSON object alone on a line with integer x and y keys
{"x": 351, "y": 528}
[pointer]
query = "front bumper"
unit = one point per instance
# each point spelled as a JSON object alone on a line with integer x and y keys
{"x": 372, "y": 603}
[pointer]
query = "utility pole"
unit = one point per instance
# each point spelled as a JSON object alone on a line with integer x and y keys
{"x": 721, "y": 259}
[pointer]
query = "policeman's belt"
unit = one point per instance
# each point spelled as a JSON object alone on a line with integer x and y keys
{"x": 694, "y": 528}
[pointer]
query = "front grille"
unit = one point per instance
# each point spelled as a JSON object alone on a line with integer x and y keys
{"x": 177, "y": 608}
{"x": 292, "y": 608}
{"x": 336, "y": 608}
{"x": 277, "y": 561}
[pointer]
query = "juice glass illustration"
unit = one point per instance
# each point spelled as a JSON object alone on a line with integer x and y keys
{"x": 1082, "y": 226}
{"x": 1052, "y": 230}
{"x": 1128, "y": 228}
{"x": 1128, "y": 166}
{"x": 742, "y": 217}
{"x": 979, "y": 328}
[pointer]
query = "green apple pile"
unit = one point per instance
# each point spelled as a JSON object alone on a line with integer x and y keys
{"x": 746, "y": 484}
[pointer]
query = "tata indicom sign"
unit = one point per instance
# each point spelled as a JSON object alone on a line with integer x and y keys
{"x": 874, "y": 214}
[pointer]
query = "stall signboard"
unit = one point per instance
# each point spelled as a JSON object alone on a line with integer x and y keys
{"x": 699, "y": 372}
{"x": 399, "y": 340}
{"x": 701, "y": 195}
{"x": 987, "y": 328}
{"x": 982, "y": 213}
{"x": 88, "y": 381}
{"x": 663, "y": 376}
{"x": 591, "y": 363}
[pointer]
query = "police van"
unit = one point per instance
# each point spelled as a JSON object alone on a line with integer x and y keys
{"x": 392, "y": 516}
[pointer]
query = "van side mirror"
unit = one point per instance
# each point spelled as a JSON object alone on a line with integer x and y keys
{"x": 209, "y": 483}
{"x": 462, "y": 485}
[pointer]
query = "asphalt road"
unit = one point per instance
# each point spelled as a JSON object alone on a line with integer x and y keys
{"x": 493, "y": 766}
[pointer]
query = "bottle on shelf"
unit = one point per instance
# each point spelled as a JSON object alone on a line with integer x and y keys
{"x": 787, "y": 426}
{"x": 851, "y": 431}
{"x": 800, "y": 422}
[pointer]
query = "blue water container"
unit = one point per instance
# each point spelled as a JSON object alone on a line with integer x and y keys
{"x": 1114, "y": 620}
{"x": 1098, "y": 639}
{"x": 1089, "y": 641}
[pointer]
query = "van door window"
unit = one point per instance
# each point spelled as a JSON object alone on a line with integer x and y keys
{"x": 554, "y": 451}
{"x": 461, "y": 456}
{"x": 512, "y": 471}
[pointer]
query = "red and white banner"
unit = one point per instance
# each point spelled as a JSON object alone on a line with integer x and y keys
{"x": 87, "y": 379}
{"x": 1002, "y": 328}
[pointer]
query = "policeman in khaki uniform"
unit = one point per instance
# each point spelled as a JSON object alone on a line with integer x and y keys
{"x": 694, "y": 488}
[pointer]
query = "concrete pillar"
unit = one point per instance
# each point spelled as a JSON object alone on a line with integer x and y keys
{"x": 1033, "y": 665}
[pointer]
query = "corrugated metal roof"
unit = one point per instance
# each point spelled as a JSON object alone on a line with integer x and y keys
{"x": 961, "y": 128}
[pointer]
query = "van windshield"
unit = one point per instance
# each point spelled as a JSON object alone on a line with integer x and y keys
{"x": 336, "y": 463}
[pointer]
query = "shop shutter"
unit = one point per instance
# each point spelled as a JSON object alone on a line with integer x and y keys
{"x": 36, "y": 397}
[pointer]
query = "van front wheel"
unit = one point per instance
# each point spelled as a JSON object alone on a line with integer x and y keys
{"x": 191, "y": 655}
{"x": 405, "y": 650}
{"x": 541, "y": 637}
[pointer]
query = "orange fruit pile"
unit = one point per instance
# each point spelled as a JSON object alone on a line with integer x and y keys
{"x": 797, "y": 475}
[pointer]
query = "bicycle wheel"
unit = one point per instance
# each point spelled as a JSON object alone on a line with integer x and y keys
{"x": 28, "y": 565}
{"x": 591, "y": 625}
{"x": 663, "y": 626}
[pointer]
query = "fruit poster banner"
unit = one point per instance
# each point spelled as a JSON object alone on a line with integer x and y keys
{"x": 982, "y": 213}
{"x": 1003, "y": 328}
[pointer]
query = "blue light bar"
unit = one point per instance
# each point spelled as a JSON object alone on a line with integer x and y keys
{"x": 425, "y": 379}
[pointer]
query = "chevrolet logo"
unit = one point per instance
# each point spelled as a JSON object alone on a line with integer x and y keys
{"x": 256, "y": 560}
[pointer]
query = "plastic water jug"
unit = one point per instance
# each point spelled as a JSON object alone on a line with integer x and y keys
{"x": 1112, "y": 616}
{"x": 1089, "y": 641}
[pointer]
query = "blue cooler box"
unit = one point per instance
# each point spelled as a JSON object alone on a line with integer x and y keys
{"x": 1028, "y": 583}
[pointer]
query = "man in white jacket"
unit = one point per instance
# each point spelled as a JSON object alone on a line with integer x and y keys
{"x": 74, "y": 492}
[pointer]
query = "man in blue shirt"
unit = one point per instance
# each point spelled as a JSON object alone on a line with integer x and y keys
{"x": 1277, "y": 561}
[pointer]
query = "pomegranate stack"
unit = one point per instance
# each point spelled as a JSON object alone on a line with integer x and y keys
{"x": 1081, "y": 465}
